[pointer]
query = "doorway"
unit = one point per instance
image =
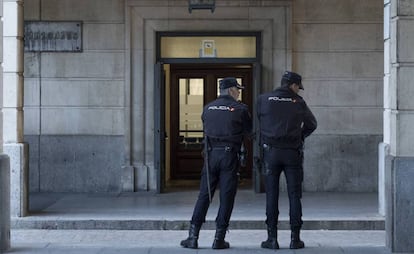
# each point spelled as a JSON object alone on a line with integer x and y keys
{"x": 191, "y": 87}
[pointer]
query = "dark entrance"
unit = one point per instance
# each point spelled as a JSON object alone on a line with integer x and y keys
{"x": 193, "y": 86}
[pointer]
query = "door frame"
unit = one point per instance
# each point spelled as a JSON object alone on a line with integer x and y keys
{"x": 256, "y": 79}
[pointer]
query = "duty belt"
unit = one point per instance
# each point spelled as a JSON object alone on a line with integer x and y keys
{"x": 224, "y": 148}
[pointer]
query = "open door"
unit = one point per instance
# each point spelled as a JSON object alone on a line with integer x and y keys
{"x": 258, "y": 181}
{"x": 159, "y": 126}
{"x": 192, "y": 87}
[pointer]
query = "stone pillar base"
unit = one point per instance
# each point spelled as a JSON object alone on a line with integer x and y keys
{"x": 399, "y": 223}
{"x": 19, "y": 178}
{"x": 4, "y": 202}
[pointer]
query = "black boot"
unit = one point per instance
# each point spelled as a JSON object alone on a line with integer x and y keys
{"x": 192, "y": 240}
{"x": 271, "y": 242}
{"x": 219, "y": 242}
{"x": 295, "y": 242}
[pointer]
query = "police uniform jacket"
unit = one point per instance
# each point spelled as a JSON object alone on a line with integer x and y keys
{"x": 285, "y": 119}
{"x": 226, "y": 121}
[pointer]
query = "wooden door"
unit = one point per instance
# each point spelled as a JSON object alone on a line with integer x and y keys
{"x": 192, "y": 87}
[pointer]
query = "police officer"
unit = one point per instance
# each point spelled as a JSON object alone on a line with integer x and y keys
{"x": 225, "y": 121}
{"x": 285, "y": 121}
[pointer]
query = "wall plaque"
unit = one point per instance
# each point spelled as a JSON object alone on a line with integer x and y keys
{"x": 41, "y": 36}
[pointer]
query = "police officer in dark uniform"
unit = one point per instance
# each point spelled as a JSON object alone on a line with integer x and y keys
{"x": 226, "y": 121}
{"x": 285, "y": 121}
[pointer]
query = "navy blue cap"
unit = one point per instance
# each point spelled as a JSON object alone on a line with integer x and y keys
{"x": 293, "y": 77}
{"x": 230, "y": 82}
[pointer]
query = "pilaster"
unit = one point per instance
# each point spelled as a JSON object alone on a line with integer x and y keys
{"x": 398, "y": 164}
{"x": 13, "y": 103}
{"x": 4, "y": 162}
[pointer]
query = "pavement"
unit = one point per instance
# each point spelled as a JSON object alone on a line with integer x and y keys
{"x": 156, "y": 223}
{"x": 167, "y": 242}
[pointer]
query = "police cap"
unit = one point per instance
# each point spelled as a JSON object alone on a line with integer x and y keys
{"x": 292, "y": 77}
{"x": 230, "y": 82}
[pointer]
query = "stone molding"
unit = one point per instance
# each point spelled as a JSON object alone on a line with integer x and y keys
{"x": 144, "y": 19}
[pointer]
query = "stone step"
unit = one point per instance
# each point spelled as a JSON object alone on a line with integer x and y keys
{"x": 133, "y": 224}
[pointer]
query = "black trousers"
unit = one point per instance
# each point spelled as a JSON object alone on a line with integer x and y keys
{"x": 290, "y": 162}
{"x": 223, "y": 171}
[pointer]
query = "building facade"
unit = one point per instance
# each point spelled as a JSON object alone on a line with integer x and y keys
{"x": 89, "y": 116}
{"x": 119, "y": 111}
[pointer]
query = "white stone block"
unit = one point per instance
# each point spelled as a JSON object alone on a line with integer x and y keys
{"x": 12, "y": 90}
{"x": 394, "y": 42}
{"x": 12, "y": 125}
{"x": 394, "y": 8}
{"x": 390, "y": 93}
{"x": 1, "y": 41}
{"x": 389, "y": 126}
{"x": 368, "y": 65}
{"x": 97, "y": 64}
{"x": 31, "y": 92}
{"x": 387, "y": 19}
{"x": 1, "y": 86}
{"x": 85, "y": 10}
{"x": 355, "y": 37}
{"x": 405, "y": 40}
{"x": 311, "y": 37}
{"x": 83, "y": 93}
{"x": 387, "y": 57}
{"x": 345, "y": 93}
{"x": 405, "y": 134}
{"x": 405, "y": 88}
{"x": 330, "y": 64}
{"x": 78, "y": 121}
{"x": 339, "y": 120}
{"x": 103, "y": 36}
{"x": 31, "y": 121}
{"x": 367, "y": 120}
{"x": 332, "y": 120}
{"x": 12, "y": 55}
{"x": 12, "y": 22}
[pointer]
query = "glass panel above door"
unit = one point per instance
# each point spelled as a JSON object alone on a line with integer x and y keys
{"x": 208, "y": 46}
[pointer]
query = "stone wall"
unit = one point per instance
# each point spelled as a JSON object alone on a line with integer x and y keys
{"x": 338, "y": 48}
{"x": 398, "y": 160}
{"x": 74, "y": 102}
{"x": 78, "y": 103}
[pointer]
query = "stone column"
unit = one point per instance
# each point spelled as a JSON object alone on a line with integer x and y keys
{"x": 4, "y": 162}
{"x": 398, "y": 158}
{"x": 13, "y": 105}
